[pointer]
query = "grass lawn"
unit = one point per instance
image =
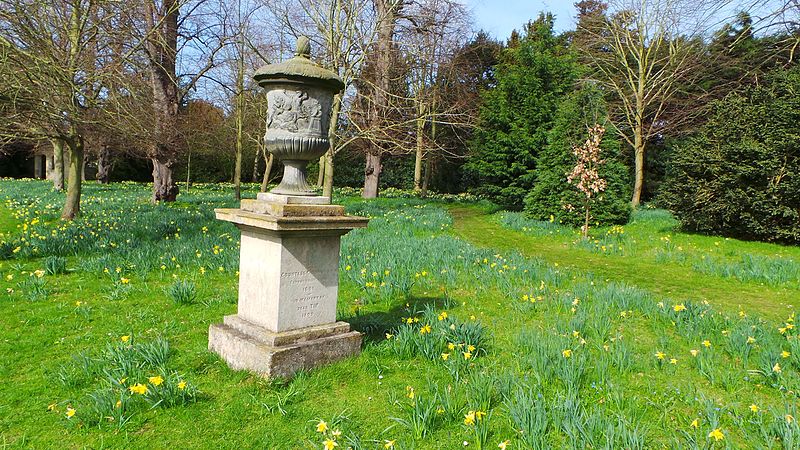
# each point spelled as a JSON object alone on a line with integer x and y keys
{"x": 479, "y": 328}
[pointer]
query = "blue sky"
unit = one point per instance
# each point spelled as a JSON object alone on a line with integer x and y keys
{"x": 499, "y": 17}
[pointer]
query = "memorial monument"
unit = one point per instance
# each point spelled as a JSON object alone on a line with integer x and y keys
{"x": 289, "y": 257}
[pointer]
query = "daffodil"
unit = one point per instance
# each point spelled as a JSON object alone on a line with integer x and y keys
{"x": 754, "y": 408}
{"x": 469, "y": 418}
{"x": 125, "y": 338}
{"x": 566, "y": 353}
{"x": 716, "y": 434}
{"x": 156, "y": 380}
{"x": 785, "y": 354}
{"x": 329, "y": 444}
{"x": 777, "y": 368}
{"x": 138, "y": 388}
{"x": 694, "y": 352}
{"x": 70, "y": 412}
{"x": 660, "y": 355}
{"x": 503, "y": 445}
{"x": 695, "y": 423}
{"x": 322, "y": 426}
{"x": 181, "y": 385}
{"x": 445, "y": 356}
{"x": 679, "y": 307}
{"x": 706, "y": 343}
{"x": 389, "y": 444}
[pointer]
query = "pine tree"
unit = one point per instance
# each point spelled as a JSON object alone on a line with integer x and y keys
{"x": 535, "y": 72}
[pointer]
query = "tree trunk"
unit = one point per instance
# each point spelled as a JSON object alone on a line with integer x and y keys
{"x": 267, "y": 170}
{"x": 327, "y": 189}
{"x": 72, "y": 205}
{"x": 104, "y": 165}
{"x": 162, "y": 50}
{"x": 387, "y": 12}
{"x": 188, "y": 170}
{"x": 58, "y": 164}
{"x": 372, "y": 175}
{"x": 254, "y": 178}
{"x": 426, "y": 179}
{"x": 420, "y": 153}
{"x": 321, "y": 174}
{"x": 638, "y": 169}
{"x": 237, "y": 172}
{"x": 333, "y": 139}
{"x": 164, "y": 187}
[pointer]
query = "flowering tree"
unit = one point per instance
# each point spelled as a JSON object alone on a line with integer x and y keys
{"x": 585, "y": 175}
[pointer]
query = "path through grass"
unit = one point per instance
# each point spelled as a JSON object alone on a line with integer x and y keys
{"x": 662, "y": 278}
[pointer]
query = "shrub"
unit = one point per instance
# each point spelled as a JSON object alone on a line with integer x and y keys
{"x": 739, "y": 176}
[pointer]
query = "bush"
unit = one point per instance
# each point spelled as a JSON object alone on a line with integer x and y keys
{"x": 739, "y": 176}
{"x": 551, "y": 193}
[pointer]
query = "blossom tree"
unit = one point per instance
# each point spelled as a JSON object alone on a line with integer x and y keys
{"x": 585, "y": 175}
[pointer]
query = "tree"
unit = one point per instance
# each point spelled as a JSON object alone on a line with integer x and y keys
{"x": 534, "y": 74}
{"x": 382, "y": 55}
{"x": 552, "y": 198}
{"x": 55, "y": 74}
{"x": 461, "y": 79}
{"x": 162, "y": 33}
{"x": 438, "y": 28}
{"x": 643, "y": 52}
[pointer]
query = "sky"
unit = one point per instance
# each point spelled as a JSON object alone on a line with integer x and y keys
{"x": 500, "y": 17}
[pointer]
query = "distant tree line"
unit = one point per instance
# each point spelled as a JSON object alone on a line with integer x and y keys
{"x": 161, "y": 90}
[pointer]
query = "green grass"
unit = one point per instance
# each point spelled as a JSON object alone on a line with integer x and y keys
{"x": 643, "y": 262}
{"x": 507, "y": 304}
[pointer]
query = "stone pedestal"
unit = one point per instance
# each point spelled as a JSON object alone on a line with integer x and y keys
{"x": 288, "y": 287}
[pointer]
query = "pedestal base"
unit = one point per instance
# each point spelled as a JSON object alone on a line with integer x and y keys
{"x": 246, "y": 346}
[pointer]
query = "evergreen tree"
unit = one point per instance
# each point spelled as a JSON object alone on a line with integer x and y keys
{"x": 552, "y": 196}
{"x": 535, "y": 72}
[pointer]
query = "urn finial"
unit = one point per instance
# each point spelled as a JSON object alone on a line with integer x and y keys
{"x": 303, "y": 48}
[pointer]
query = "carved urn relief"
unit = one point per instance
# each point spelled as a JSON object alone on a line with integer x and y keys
{"x": 299, "y": 97}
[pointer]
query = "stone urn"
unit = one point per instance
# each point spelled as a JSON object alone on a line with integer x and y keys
{"x": 299, "y": 98}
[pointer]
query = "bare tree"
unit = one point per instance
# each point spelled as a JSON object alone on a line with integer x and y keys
{"x": 436, "y": 30}
{"x": 643, "y": 51}
{"x": 55, "y": 77}
{"x": 197, "y": 36}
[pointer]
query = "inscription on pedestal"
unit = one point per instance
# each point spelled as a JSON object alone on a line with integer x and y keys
{"x": 308, "y": 291}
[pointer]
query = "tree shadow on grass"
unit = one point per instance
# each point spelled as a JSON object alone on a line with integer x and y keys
{"x": 375, "y": 324}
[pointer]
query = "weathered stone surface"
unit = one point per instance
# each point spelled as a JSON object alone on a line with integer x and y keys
{"x": 288, "y": 282}
{"x": 244, "y": 347}
{"x": 293, "y": 199}
{"x": 284, "y": 225}
{"x": 291, "y": 210}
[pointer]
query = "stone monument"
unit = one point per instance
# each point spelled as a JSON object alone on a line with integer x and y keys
{"x": 289, "y": 257}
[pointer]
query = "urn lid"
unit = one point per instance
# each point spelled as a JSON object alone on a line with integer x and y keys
{"x": 300, "y": 70}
